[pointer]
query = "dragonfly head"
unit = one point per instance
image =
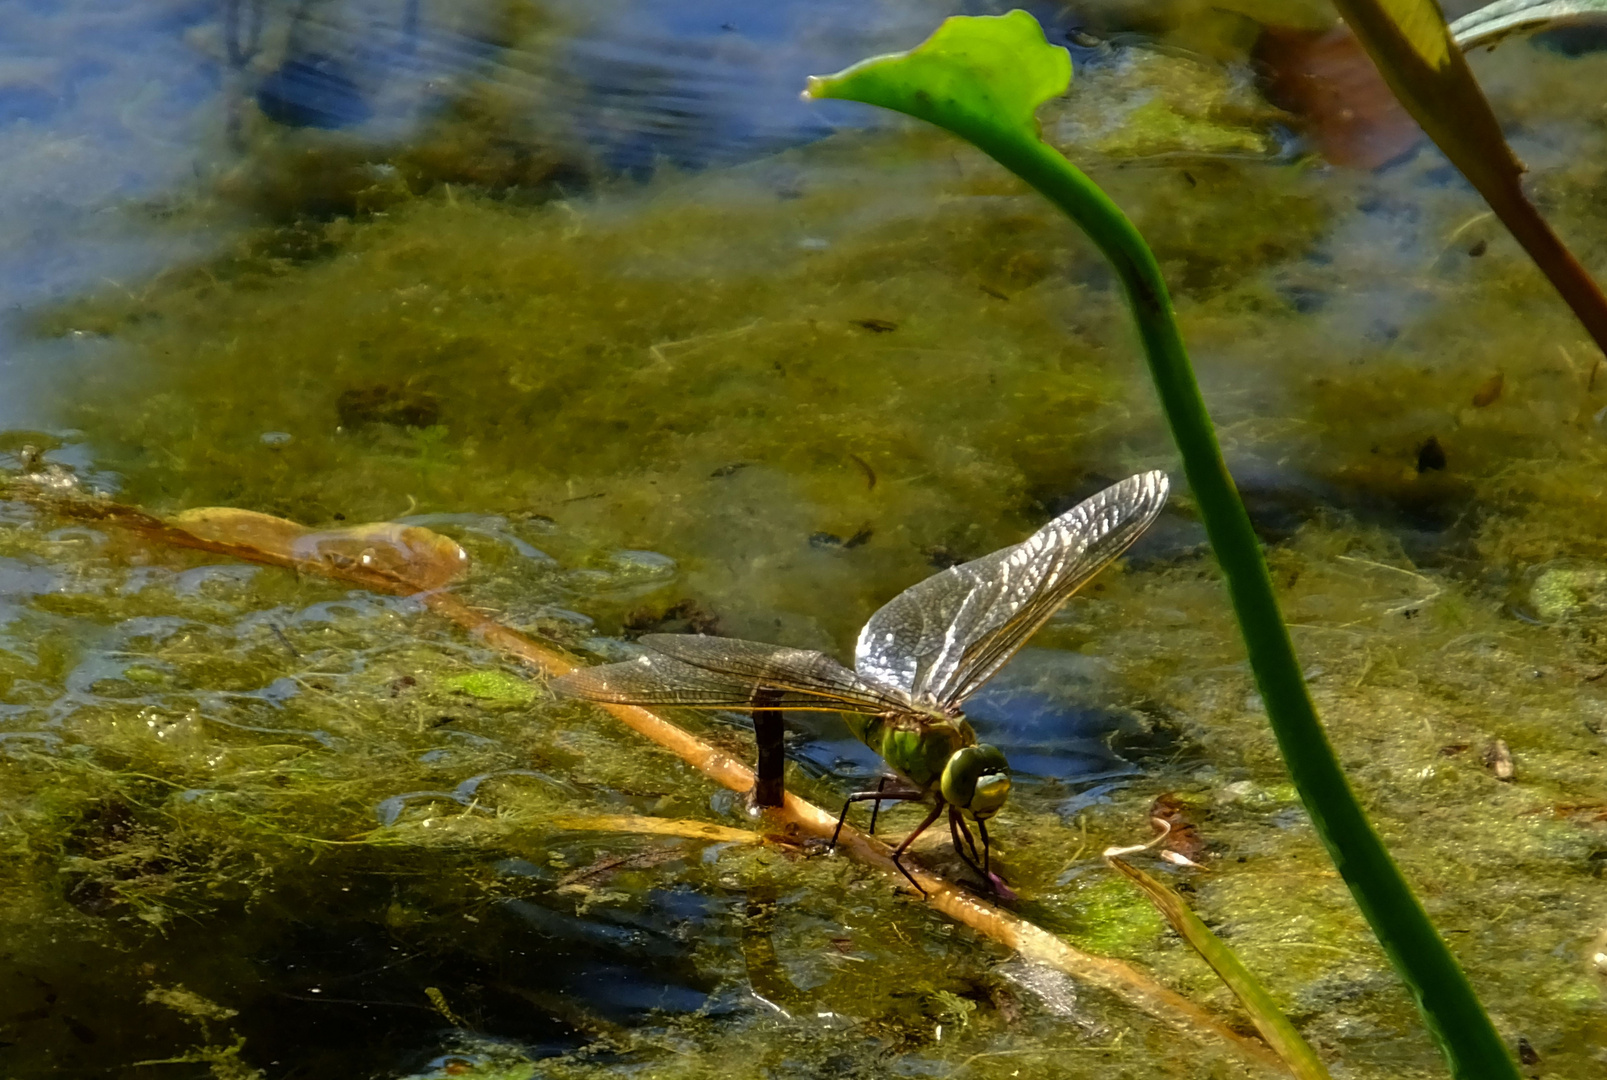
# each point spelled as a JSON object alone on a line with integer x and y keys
{"x": 977, "y": 779}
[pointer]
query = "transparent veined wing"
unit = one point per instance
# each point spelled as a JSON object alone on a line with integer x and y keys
{"x": 729, "y": 674}
{"x": 778, "y": 667}
{"x": 941, "y": 639}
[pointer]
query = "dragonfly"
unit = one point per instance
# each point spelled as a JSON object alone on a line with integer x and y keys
{"x": 916, "y": 662}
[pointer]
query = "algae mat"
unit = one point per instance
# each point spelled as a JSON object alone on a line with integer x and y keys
{"x": 262, "y": 825}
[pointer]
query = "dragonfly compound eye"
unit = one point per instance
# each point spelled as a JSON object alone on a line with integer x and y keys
{"x": 977, "y": 778}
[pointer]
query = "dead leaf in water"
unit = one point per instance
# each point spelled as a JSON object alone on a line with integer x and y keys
{"x": 1343, "y": 104}
{"x": 1489, "y": 390}
{"x": 240, "y": 528}
{"x": 398, "y": 558}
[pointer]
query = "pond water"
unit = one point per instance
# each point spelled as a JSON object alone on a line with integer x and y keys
{"x": 585, "y": 287}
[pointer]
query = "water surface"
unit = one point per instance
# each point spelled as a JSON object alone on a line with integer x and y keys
{"x": 586, "y": 288}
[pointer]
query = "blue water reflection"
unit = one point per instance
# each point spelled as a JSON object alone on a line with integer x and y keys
{"x": 1047, "y": 710}
{"x": 122, "y": 124}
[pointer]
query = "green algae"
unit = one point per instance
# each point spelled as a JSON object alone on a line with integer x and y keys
{"x": 139, "y": 852}
{"x": 1151, "y": 104}
{"x": 495, "y": 686}
{"x": 1561, "y": 591}
{"x": 697, "y": 368}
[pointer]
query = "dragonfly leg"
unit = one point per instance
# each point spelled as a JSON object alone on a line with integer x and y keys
{"x": 965, "y": 831}
{"x": 876, "y": 806}
{"x": 987, "y": 871}
{"x": 956, "y": 828}
{"x": 878, "y": 796}
{"x": 898, "y": 852}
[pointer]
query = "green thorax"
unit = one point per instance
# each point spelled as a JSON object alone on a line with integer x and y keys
{"x": 916, "y": 745}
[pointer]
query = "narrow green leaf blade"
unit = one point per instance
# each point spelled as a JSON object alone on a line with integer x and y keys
{"x": 1422, "y": 28}
{"x": 979, "y": 77}
{"x": 1264, "y": 1012}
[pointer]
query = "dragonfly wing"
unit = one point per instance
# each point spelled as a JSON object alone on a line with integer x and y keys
{"x": 778, "y": 668}
{"x": 656, "y": 679}
{"x": 942, "y": 638}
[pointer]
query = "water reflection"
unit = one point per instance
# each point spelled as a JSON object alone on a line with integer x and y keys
{"x": 121, "y": 125}
{"x": 651, "y": 410}
{"x": 1047, "y": 710}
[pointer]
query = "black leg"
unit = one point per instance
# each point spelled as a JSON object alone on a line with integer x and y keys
{"x": 956, "y": 827}
{"x": 876, "y": 807}
{"x": 898, "y": 852}
{"x": 879, "y": 796}
{"x": 965, "y": 831}
{"x": 987, "y": 872}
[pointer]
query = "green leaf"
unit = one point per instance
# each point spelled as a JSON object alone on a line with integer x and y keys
{"x": 979, "y": 77}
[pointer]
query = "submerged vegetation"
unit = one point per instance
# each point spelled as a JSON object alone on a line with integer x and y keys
{"x": 242, "y": 805}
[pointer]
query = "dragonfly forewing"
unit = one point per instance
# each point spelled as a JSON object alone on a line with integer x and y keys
{"x": 942, "y": 638}
{"x": 657, "y": 678}
{"x": 780, "y": 668}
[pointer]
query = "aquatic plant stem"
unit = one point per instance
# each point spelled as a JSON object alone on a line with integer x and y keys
{"x": 1546, "y": 250}
{"x": 1446, "y": 998}
{"x": 983, "y": 79}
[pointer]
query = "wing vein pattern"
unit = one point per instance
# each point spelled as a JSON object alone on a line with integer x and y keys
{"x": 941, "y": 639}
{"x": 727, "y": 673}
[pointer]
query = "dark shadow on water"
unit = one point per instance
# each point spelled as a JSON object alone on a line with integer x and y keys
{"x": 367, "y": 964}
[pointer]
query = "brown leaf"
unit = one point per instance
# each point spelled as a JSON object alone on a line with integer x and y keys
{"x": 1184, "y": 836}
{"x": 1327, "y": 80}
{"x": 398, "y": 558}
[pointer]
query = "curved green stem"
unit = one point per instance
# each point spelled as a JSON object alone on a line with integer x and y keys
{"x": 983, "y": 79}
{"x": 1415, "y": 948}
